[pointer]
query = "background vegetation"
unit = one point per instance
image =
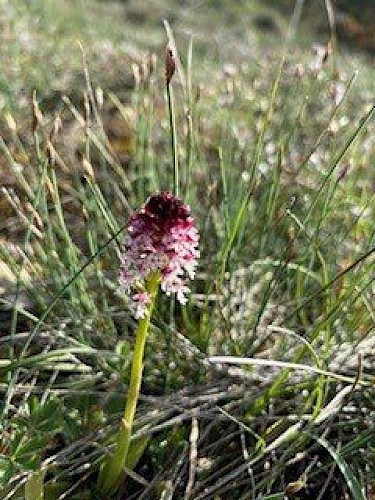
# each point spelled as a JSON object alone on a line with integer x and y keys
{"x": 276, "y": 147}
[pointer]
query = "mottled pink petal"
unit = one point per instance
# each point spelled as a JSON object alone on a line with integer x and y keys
{"x": 141, "y": 301}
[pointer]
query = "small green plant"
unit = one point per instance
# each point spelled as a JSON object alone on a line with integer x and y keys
{"x": 160, "y": 249}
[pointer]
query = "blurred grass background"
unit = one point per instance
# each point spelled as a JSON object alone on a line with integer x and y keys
{"x": 276, "y": 163}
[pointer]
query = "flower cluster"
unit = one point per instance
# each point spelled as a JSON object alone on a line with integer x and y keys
{"x": 162, "y": 238}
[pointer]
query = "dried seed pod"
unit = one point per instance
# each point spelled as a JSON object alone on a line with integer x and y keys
{"x": 170, "y": 63}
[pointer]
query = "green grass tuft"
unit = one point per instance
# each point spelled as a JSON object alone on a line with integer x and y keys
{"x": 262, "y": 386}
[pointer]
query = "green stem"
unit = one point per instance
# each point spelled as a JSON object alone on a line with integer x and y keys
{"x": 34, "y": 487}
{"x": 172, "y": 124}
{"x": 112, "y": 469}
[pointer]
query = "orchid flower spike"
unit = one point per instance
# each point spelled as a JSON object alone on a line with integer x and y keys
{"x": 162, "y": 238}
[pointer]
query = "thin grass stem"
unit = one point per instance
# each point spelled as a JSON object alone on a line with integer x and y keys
{"x": 172, "y": 125}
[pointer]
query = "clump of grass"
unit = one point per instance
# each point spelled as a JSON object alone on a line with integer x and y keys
{"x": 264, "y": 382}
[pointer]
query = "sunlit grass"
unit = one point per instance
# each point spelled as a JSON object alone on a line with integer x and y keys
{"x": 263, "y": 382}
